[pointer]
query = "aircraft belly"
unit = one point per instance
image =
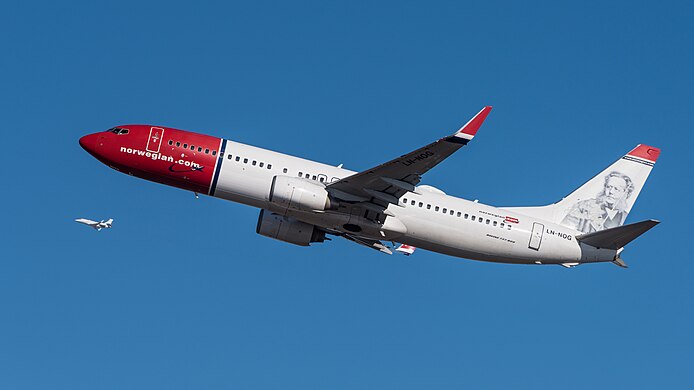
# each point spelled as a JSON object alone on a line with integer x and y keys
{"x": 467, "y": 239}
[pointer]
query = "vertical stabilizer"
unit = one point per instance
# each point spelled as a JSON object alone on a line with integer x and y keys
{"x": 605, "y": 200}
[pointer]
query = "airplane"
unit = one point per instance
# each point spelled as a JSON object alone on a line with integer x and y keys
{"x": 303, "y": 202}
{"x": 103, "y": 224}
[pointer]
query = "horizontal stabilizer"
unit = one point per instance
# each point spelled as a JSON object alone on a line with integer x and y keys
{"x": 617, "y": 237}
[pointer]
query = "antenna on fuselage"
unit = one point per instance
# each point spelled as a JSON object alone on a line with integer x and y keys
{"x": 196, "y": 195}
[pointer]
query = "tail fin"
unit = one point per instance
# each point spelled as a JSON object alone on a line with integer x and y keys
{"x": 605, "y": 200}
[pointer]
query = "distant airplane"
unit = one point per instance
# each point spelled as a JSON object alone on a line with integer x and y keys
{"x": 103, "y": 224}
{"x": 301, "y": 201}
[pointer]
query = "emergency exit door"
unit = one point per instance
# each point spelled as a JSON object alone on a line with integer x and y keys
{"x": 536, "y": 236}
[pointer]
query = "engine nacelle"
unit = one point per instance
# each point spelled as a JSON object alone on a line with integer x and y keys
{"x": 288, "y": 229}
{"x": 297, "y": 194}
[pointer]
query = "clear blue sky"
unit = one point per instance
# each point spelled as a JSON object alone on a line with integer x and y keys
{"x": 182, "y": 294}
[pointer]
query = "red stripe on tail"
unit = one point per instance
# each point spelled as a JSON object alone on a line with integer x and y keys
{"x": 645, "y": 152}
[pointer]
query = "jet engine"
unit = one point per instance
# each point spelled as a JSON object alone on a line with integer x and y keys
{"x": 291, "y": 193}
{"x": 288, "y": 229}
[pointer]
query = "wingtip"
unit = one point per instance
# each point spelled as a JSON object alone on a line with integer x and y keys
{"x": 620, "y": 263}
{"x": 470, "y": 129}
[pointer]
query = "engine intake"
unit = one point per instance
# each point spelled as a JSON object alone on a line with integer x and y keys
{"x": 288, "y": 229}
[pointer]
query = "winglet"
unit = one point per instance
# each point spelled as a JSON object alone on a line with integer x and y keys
{"x": 469, "y": 130}
{"x": 645, "y": 152}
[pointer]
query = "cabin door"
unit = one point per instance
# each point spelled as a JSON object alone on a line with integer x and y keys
{"x": 154, "y": 141}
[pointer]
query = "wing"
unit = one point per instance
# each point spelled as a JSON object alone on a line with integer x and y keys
{"x": 387, "y": 182}
{"x": 86, "y": 221}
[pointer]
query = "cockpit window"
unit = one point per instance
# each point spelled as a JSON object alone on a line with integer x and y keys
{"x": 118, "y": 130}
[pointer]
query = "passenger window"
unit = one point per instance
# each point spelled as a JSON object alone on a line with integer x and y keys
{"x": 421, "y": 204}
{"x": 412, "y": 203}
{"x": 481, "y": 220}
{"x": 238, "y": 158}
{"x": 508, "y": 226}
{"x": 170, "y": 142}
{"x": 445, "y": 210}
{"x": 253, "y": 163}
{"x": 428, "y": 207}
{"x": 207, "y": 151}
{"x": 451, "y": 212}
{"x": 178, "y": 144}
{"x": 199, "y": 148}
{"x": 185, "y": 146}
{"x": 314, "y": 177}
{"x": 192, "y": 147}
{"x": 473, "y": 217}
{"x": 459, "y": 214}
{"x": 487, "y": 222}
{"x": 502, "y": 224}
{"x": 229, "y": 157}
{"x": 245, "y": 161}
{"x": 466, "y": 215}
{"x": 261, "y": 164}
{"x": 494, "y": 223}
{"x": 269, "y": 166}
{"x": 214, "y": 152}
{"x": 436, "y": 208}
{"x": 284, "y": 170}
{"x": 307, "y": 176}
{"x": 301, "y": 174}
{"x": 321, "y": 179}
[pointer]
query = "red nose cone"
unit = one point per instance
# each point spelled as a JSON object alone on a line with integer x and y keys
{"x": 88, "y": 143}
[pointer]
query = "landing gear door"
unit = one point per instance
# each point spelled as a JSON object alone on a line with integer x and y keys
{"x": 536, "y": 236}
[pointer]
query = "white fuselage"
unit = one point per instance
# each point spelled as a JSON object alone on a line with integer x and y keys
{"x": 426, "y": 218}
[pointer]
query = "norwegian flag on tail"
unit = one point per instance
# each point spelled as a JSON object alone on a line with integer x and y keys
{"x": 645, "y": 152}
